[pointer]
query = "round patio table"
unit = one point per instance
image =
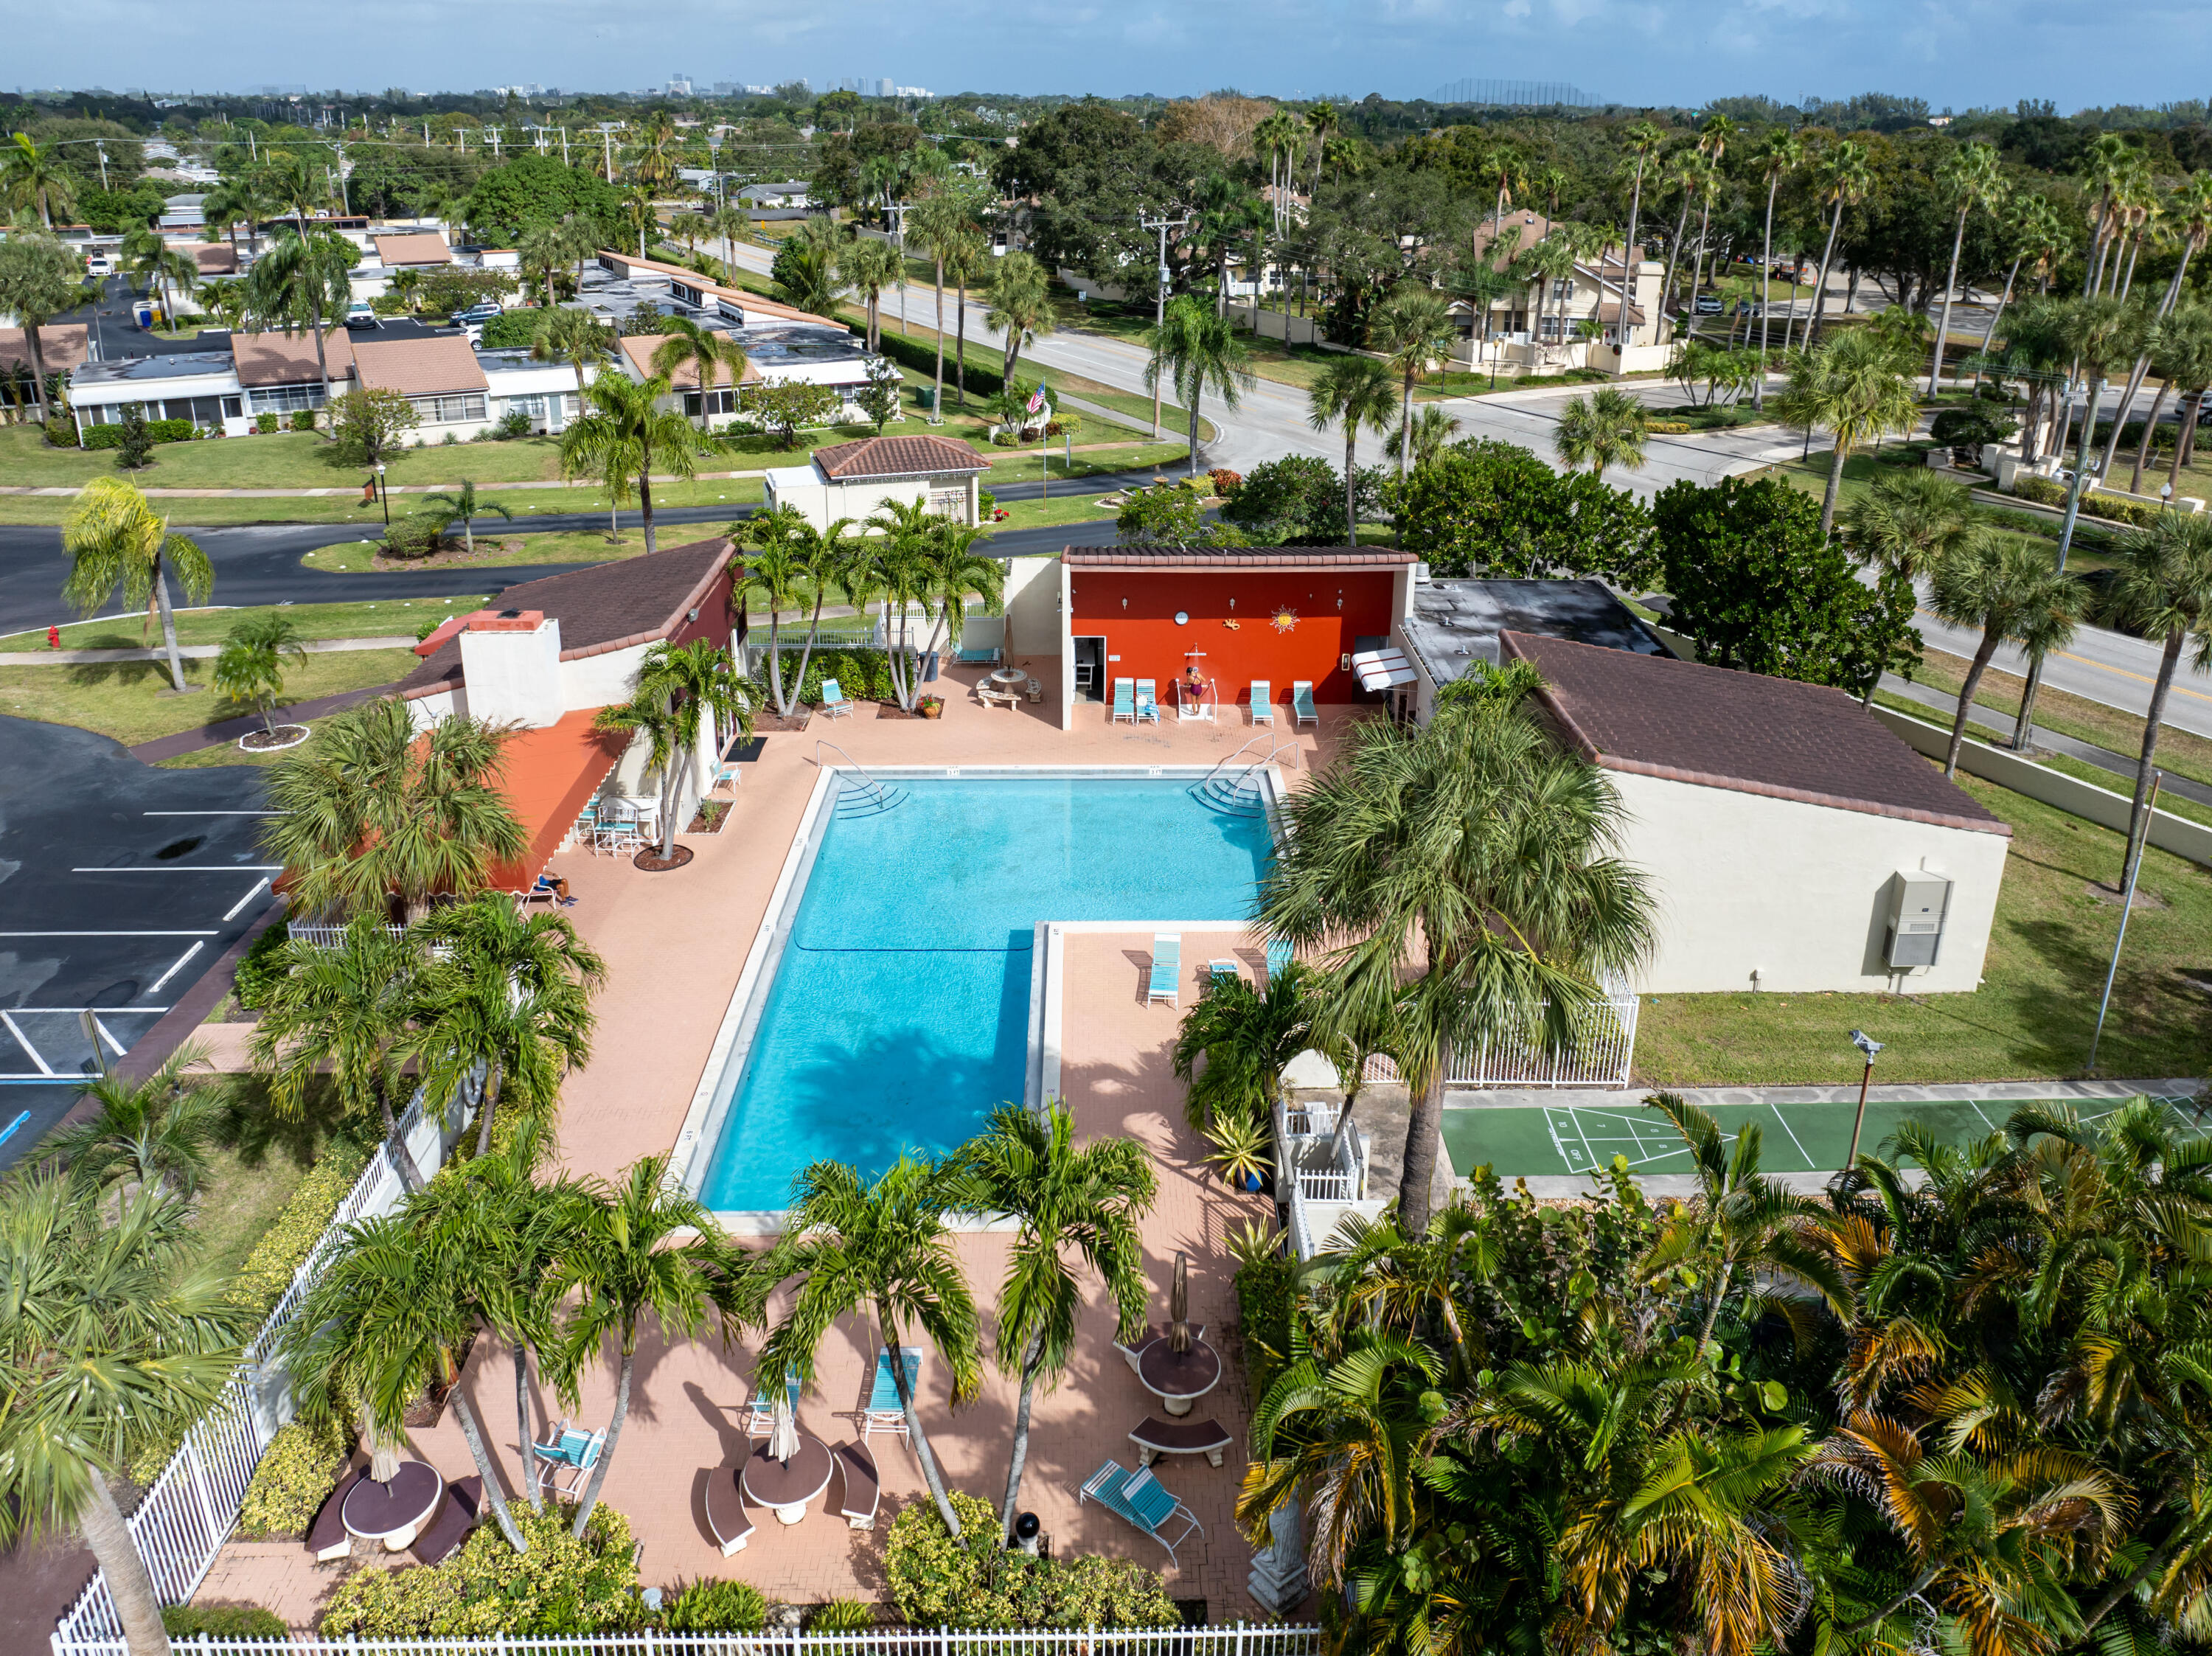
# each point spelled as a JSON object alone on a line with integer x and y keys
{"x": 392, "y": 1512}
{"x": 1009, "y": 675}
{"x": 1179, "y": 1379}
{"x": 786, "y": 1487}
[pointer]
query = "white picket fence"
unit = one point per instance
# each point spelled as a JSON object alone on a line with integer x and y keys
{"x": 1237, "y": 1640}
{"x": 1602, "y": 1057}
{"x": 189, "y": 1512}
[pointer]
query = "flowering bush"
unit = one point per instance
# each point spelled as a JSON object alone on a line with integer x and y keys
{"x": 1225, "y": 481}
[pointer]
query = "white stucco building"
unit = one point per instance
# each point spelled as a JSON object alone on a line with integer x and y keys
{"x": 852, "y": 480}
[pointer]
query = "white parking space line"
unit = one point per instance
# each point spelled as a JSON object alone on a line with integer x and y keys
{"x": 24, "y": 1041}
{"x": 234, "y": 868}
{"x": 108, "y": 1035}
{"x": 91, "y": 1009}
{"x": 174, "y": 970}
{"x": 259, "y": 886}
{"x": 212, "y": 813}
{"x": 109, "y": 934}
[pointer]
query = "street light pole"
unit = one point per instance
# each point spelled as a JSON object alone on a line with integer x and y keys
{"x": 2134, "y": 859}
{"x": 1160, "y": 300}
{"x": 1867, "y": 1046}
{"x": 382, "y": 499}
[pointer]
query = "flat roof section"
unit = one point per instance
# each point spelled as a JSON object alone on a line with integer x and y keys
{"x": 201, "y": 365}
{"x": 1458, "y": 622}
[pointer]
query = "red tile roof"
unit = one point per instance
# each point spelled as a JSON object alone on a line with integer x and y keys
{"x": 897, "y": 457}
{"x": 419, "y": 368}
{"x": 1718, "y": 728}
{"x": 288, "y": 359}
{"x": 426, "y": 248}
{"x": 1173, "y": 557}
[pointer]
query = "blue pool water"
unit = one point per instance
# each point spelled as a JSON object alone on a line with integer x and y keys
{"x": 899, "y": 1014}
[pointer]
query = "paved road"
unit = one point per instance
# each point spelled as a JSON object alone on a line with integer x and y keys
{"x": 2103, "y": 666}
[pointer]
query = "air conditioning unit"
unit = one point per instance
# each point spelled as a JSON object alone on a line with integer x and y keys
{"x": 1917, "y": 902}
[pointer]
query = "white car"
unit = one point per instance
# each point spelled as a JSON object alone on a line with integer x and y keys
{"x": 359, "y": 314}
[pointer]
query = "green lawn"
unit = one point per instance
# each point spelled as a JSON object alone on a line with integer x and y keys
{"x": 365, "y": 620}
{"x": 283, "y": 459}
{"x": 131, "y": 700}
{"x": 496, "y": 549}
{"x": 2037, "y": 1003}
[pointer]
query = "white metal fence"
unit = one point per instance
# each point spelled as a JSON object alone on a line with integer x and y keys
{"x": 185, "y": 1518}
{"x": 1602, "y": 1055}
{"x": 1235, "y": 1640}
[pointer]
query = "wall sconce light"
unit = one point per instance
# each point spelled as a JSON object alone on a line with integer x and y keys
{"x": 692, "y": 613}
{"x": 1232, "y": 606}
{"x": 1125, "y": 604}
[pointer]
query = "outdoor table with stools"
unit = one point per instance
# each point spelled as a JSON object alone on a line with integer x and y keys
{"x": 1009, "y": 675}
{"x": 1178, "y": 1379}
{"x": 392, "y": 1512}
{"x": 786, "y": 1487}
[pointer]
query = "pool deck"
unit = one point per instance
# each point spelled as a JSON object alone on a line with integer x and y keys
{"x": 675, "y": 944}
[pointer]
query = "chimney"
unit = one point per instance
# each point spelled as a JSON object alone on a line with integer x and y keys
{"x": 511, "y": 667}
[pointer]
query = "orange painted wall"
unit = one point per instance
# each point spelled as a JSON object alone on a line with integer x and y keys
{"x": 1144, "y": 635}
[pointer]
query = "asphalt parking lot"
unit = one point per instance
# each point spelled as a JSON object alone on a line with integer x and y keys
{"x": 120, "y": 885}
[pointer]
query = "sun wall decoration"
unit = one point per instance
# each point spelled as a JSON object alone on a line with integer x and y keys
{"x": 1286, "y": 620}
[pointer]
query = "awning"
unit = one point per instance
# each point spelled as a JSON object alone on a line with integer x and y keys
{"x": 1382, "y": 670}
{"x": 549, "y": 777}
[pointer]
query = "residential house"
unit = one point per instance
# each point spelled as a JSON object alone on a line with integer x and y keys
{"x": 201, "y": 386}
{"x": 719, "y": 400}
{"x": 1580, "y": 326}
{"x": 854, "y": 480}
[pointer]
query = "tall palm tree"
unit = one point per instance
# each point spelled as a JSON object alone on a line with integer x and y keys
{"x": 143, "y": 1136}
{"x": 2098, "y": 332}
{"x": 1194, "y": 350}
{"x": 2011, "y": 593}
{"x": 1712, "y": 143}
{"x": 1021, "y": 305}
{"x": 1909, "y": 521}
{"x": 1322, "y": 120}
{"x": 623, "y": 424}
{"x": 789, "y": 557}
{"x": 1247, "y": 1039}
{"x": 1607, "y": 427}
{"x": 542, "y": 253}
{"x": 1843, "y": 176}
{"x": 880, "y": 1247}
{"x": 1542, "y": 264}
{"x": 1642, "y": 142}
{"x": 710, "y": 356}
{"x": 1413, "y": 329}
{"x": 936, "y": 221}
{"x": 967, "y": 258}
{"x": 957, "y": 570}
{"x": 1850, "y": 387}
{"x": 1085, "y": 1201}
{"x": 2186, "y": 341}
{"x": 300, "y": 280}
{"x": 508, "y": 993}
{"x": 370, "y": 811}
{"x": 114, "y": 1334}
{"x": 565, "y": 334}
{"x": 2037, "y": 236}
{"x": 868, "y": 266}
{"x": 1353, "y": 391}
{"x": 390, "y": 1316}
{"x": 117, "y": 544}
{"x": 33, "y": 177}
{"x": 1781, "y": 154}
{"x": 1471, "y": 855}
{"x": 636, "y": 1252}
{"x": 39, "y": 279}
{"x": 1685, "y": 172}
{"x": 160, "y": 267}
{"x": 2190, "y": 206}
{"x": 1971, "y": 177}
{"x": 2165, "y": 590}
{"x": 680, "y": 688}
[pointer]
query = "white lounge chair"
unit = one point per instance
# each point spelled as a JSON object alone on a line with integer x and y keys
{"x": 1167, "y": 969}
{"x": 833, "y": 700}
{"x": 1302, "y": 705}
{"x": 1263, "y": 702}
{"x": 1139, "y": 1499}
{"x": 885, "y": 1412}
{"x": 1148, "y": 702}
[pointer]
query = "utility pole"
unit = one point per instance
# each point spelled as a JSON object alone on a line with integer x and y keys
{"x": 564, "y": 146}
{"x": 1160, "y": 298}
{"x": 103, "y": 166}
{"x": 607, "y": 138}
{"x": 2134, "y": 867}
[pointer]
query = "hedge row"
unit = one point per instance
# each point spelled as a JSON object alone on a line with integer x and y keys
{"x": 922, "y": 359}
{"x": 161, "y": 431}
{"x": 937, "y": 1581}
{"x": 296, "y": 1475}
{"x": 222, "y": 1622}
{"x": 2045, "y": 491}
{"x": 862, "y": 675}
{"x": 268, "y": 1270}
{"x": 1264, "y": 1290}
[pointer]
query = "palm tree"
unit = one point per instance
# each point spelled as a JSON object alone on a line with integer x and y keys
{"x": 2038, "y": 236}
{"x": 1247, "y": 1039}
{"x": 1476, "y": 841}
{"x": 1021, "y": 305}
{"x": 936, "y": 221}
{"x": 1407, "y": 1282}
{"x": 868, "y": 266}
{"x": 2185, "y": 344}
{"x": 2097, "y": 333}
{"x": 507, "y": 994}
{"x": 39, "y": 279}
{"x": 301, "y": 279}
{"x": 34, "y": 178}
{"x": 956, "y": 569}
{"x": 342, "y": 1013}
{"x": 149, "y": 1136}
{"x": 1643, "y": 141}
{"x": 1970, "y": 177}
{"x": 111, "y": 1339}
{"x": 1909, "y": 521}
{"x": 1782, "y": 154}
{"x": 1685, "y": 171}
{"x": 250, "y": 672}
{"x": 1355, "y": 390}
{"x": 636, "y": 1252}
{"x": 678, "y": 688}
{"x": 577, "y": 337}
{"x": 389, "y": 1316}
{"x": 2165, "y": 590}
{"x": 2191, "y": 205}
{"x": 464, "y": 505}
{"x": 161, "y": 266}
{"x": 2010, "y": 591}
{"x": 542, "y": 251}
{"x": 1087, "y": 1201}
{"x": 1549, "y": 261}
{"x": 624, "y": 427}
{"x": 1607, "y": 427}
{"x": 966, "y": 257}
{"x": 1844, "y": 176}
{"x": 709, "y": 356}
{"x": 372, "y": 811}
{"x": 881, "y": 1247}
{"x": 1194, "y": 349}
{"x": 1413, "y": 329}
{"x": 1322, "y": 120}
{"x": 813, "y": 276}
{"x": 115, "y": 543}
{"x": 1712, "y": 145}
{"x": 1433, "y": 428}
{"x": 790, "y": 556}
{"x": 1849, "y": 386}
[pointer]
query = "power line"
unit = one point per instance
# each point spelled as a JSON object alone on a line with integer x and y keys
{"x": 1516, "y": 94}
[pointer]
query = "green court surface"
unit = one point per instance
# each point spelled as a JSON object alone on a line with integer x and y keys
{"x": 1552, "y": 1140}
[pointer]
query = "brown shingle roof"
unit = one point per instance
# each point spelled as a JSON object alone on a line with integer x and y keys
{"x": 610, "y": 606}
{"x": 214, "y": 258}
{"x": 60, "y": 344}
{"x": 1170, "y": 557}
{"x": 896, "y": 456}
{"x": 639, "y": 348}
{"x": 288, "y": 359}
{"x": 427, "y": 248}
{"x": 1718, "y": 728}
{"x": 419, "y": 368}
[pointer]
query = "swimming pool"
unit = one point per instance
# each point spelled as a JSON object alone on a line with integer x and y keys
{"x": 892, "y": 1012}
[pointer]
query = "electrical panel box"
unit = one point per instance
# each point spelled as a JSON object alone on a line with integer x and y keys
{"x": 1917, "y": 902}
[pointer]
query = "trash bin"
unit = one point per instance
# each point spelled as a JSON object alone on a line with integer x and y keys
{"x": 929, "y": 669}
{"x": 1026, "y": 1528}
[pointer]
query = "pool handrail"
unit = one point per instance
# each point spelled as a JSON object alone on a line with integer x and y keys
{"x": 880, "y": 792}
{"x": 1275, "y": 748}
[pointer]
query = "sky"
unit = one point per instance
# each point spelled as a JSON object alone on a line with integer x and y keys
{"x": 1955, "y": 53}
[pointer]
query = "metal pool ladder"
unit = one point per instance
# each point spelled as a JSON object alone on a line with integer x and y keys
{"x": 1236, "y": 792}
{"x": 871, "y": 798}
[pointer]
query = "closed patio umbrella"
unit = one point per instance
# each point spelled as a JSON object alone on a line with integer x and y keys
{"x": 1179, "y": 1304}
{"x": 782, "y": 1430}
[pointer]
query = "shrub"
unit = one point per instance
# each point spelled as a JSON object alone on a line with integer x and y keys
{"x": 841, "y": 1615}
{"x": 296, "y": 1476}
{"x": 1003, "y": 440}
{"x": 260, "y": 967}
{"x": 61, "y": 433}
{"x": 157, "y": 431}
{"x": 1971, "y": 427}
{"x": 303, "y": 419}
{"x": 1267, "y": 1289}
{"x": 2048, "y": 491}
{"x": 560, "y": 1586}
{"x": 512, "y": 424}
{"x": 937, "y": 1581}
{"x": 512, "y": 330}
{"x": 709, "y": 1605}
{"x": 264, "y": 422}
{"x": 268, "y": 1271}
{"x": 1225, "y": 481}
{"x": 417, "y": 535}
{"x": 222, "y": 1622}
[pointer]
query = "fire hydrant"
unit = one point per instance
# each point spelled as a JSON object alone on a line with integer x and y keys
{"x": 53, "y": 638}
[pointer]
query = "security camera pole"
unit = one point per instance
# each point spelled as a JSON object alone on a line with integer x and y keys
{"x": 1868, "y": 1045}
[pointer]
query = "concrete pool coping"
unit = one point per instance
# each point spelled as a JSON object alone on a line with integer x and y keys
{"x": 724, "y": 1069}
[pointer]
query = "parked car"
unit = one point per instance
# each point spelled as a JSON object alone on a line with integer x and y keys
{"x": 360, "y": 315}
{"x": 1709, "y": 305}
{"x": 482, "y": 311}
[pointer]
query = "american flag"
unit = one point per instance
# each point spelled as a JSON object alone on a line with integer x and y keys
{"x": 1037, "y": 400}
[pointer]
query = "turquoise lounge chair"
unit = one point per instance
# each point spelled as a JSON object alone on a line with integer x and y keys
{"x": 1302, "y": 702}
{"x": 1139, "y": 1501}
{"x": 1148, "y": 701}
{"x": 885, "y": 1413}
{"x": 1278, "y": 959}
{"x": 1263, "y": 702}
{"x": 1167, "y": 969}
{"x": 1125, "y": 700}
{"x": 833, "y": 700}
{"x": 990, "y": 656}
{"x": 763, "y": 1417}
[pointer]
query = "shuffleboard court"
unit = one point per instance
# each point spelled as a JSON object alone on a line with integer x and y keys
{"x": 1551, "y": 1140}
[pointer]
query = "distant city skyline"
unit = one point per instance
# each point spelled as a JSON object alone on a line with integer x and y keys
{"x": 1955, "y": 53}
